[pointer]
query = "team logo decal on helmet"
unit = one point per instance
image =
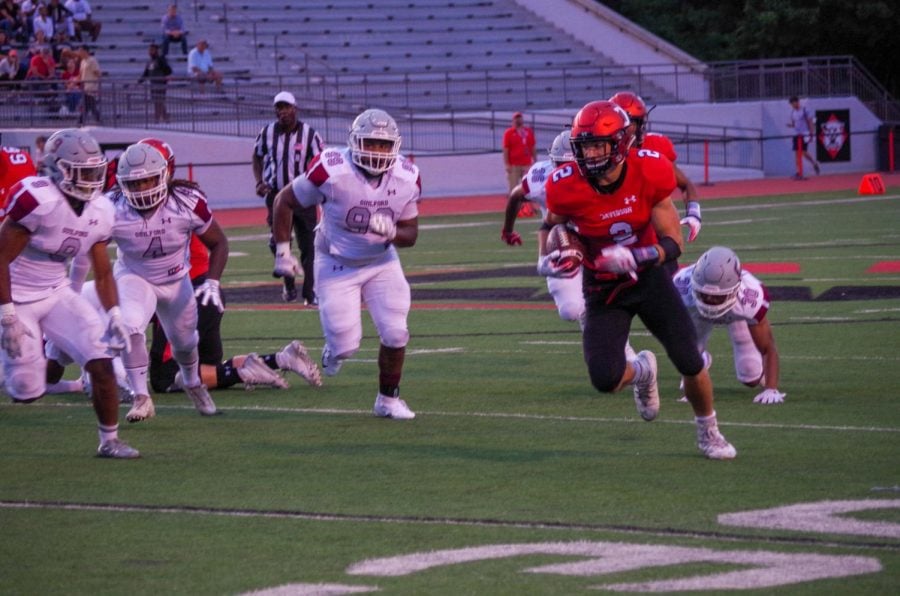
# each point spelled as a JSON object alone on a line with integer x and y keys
{"x": 167, "y": 152}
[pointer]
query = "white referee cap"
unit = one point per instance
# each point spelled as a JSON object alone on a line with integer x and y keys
{"x": 285, "y": 97}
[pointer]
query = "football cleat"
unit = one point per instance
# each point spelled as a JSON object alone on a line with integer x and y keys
{"x": 295, "y": 357}
{"x": 141, "y": 409}
{"x": 646, "y": 394}
{"x": 254, "y": 372}
{"x": 330, "y": 366}
{"x": 202, "y": 401}
{"x": 117, "y": 449}
{"x": 712, "y": 444}
{"x": 392, "y": 407}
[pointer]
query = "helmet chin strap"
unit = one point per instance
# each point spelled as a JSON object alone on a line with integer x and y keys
{"x": 611, "y": 186}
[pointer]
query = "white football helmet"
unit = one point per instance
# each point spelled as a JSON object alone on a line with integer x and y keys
{"x": 143, "y": 176}
{"x": 378, "y": 125}
{"x": 715, "y": 281}
{"x": 561, "y": 149}
{"x": 76, "y": 164}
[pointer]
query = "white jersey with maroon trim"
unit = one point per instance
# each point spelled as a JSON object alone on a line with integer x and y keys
{"x": 58, "y": 234}
{"x": 533, "y": 183}
{"x": 156, "y": 247}
{"x": 751, "y": 306}
{"x": 349, "y": 199}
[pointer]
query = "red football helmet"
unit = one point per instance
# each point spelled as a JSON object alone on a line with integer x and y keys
{"x": 637, "y": 111}
{"x": 165, "y": 149}
{"x": 596, "y": 123}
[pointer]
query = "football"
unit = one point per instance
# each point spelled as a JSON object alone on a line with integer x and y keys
{"x": 569, "y": 244}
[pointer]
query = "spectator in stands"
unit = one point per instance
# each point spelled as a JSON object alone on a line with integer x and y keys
{"x": 157, "y": 72}
{"x": 27, "y": 12}
{"x": 43, "y": 22}
{"x": 42, "y": 68}
{"x": 82, "y": 17}
{"x": 11, "y": 69}
{"x": 6, "y": 43}
{"x": 200, "y": 65}
{"x": 10, "y": 18}
{"x": 173, "y": 30}
{"x": 89, "y": 73}
{"x": 804, "y": 126}
{"x": 72, "y": 83}
{"x": 62, "y": 19}
{"x": 519, "y": 152}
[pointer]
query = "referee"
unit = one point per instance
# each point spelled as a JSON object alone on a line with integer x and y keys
{"x": 282, "y": 152}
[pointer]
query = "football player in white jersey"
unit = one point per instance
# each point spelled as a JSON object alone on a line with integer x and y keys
{"x": 50, "y": 219}
{"x": 566, "y": 292}
{"x": 718, "y": 292}
{"x": 369, "y": 194}
{"x": 154, "y": 220}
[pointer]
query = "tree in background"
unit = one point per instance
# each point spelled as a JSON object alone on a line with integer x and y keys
{"x": 713, "y": 31}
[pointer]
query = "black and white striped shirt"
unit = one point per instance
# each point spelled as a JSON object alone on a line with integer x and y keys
{"x": 285, "y": 155}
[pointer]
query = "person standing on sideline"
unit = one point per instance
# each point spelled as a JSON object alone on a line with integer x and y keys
{"x": 519, "y": 152}
{"x": 282, "y": 152}
{"x": 89, "y": 75}
{"x": 61, "y": 208}
{"x": 621, "y": 204}
{"x": 157, "y": 72}
{"x": 804, "y": 127}
{"x": 369, "y": 195}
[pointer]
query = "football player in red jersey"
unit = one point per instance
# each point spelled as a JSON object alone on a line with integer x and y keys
{"x": 638, "y": 113}
{"x": 15, "y": 164}
{"x": 620, "y": 202}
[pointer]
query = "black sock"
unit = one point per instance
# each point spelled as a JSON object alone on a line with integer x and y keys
{"x": 227, "y": 374}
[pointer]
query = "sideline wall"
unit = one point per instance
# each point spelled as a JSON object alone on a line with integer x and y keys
{"x": 232, "y": 185}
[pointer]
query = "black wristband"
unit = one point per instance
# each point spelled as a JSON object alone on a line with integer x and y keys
{"x": 668, "y": 244}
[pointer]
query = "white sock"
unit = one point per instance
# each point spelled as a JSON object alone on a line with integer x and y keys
{"x": 107, "y": 433}
{"x": 706, "y": 420}
{"x": 137, "y": 379}
{"x": 642, "y": 373}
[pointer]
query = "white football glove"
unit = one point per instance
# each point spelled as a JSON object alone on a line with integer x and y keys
{"x": 11, "y": 333}
{"x": 770, "y": 396}
{"x": 548, "y": 266}
{"x": 616, "y": 259}
{"x": 286, "y": 265}
{"x": 209, "y": 292}
{"x": 694, "y": 224}
{"x": 383, "y": 225}
{"x": 116, "y": 333}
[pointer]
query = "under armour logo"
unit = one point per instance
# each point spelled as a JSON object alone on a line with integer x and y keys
{"x": 166, "y": 220}
{"x": 391, "y": 191}
{"x": 93, "y": 222}
{"x": 630, "y": 200}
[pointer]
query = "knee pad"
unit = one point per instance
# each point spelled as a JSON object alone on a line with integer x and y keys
{"x": 395, "y": 337}
{"x": 24, "y": 386}
{"x": 749, "y": 371}
{"x": 571, "y": 311}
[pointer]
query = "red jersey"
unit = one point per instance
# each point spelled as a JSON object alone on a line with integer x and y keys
{"x": 519, "y": 142}
{"x": 15, "y": 165}
{"x": 199, "y": 257}
{"x": 653, "y": 141}
{"x": 621, "y": 217}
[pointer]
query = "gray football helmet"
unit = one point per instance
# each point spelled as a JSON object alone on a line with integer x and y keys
{"x": 374, "y": 124}
{"x": 715, "y": 281}
{"x": 75, "y": 162}
{"x": 143, "y": 175}
{"x": 561, "y": 149}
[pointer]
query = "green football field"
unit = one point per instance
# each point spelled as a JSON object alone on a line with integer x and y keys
{"x": 516, "y": 477}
